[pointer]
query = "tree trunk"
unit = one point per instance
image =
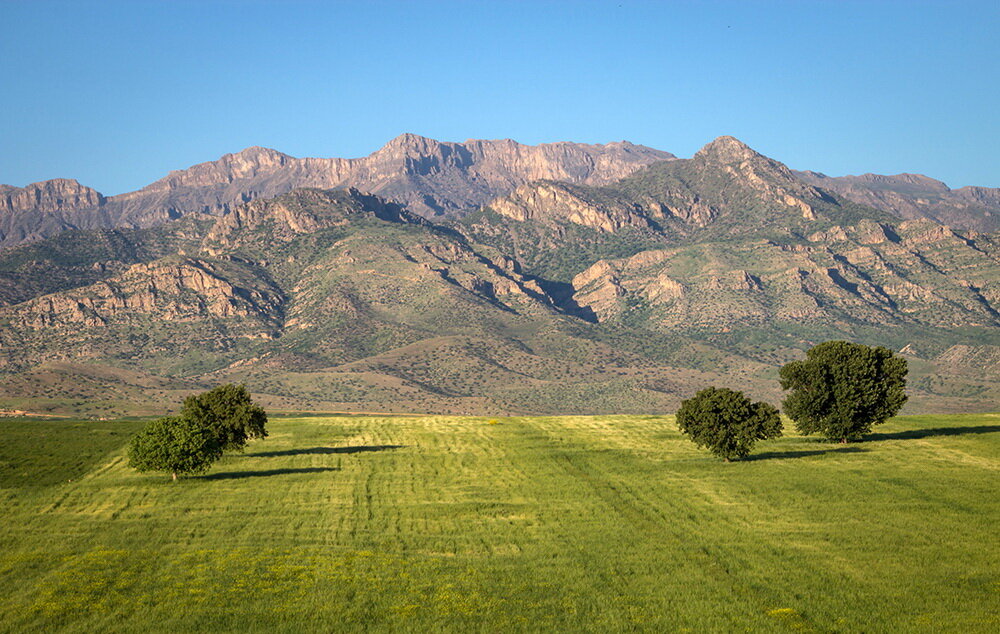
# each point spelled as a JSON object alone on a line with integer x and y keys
{"x": 175, "y": 476}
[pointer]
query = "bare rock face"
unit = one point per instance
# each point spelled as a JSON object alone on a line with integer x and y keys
{"x": 299, "y": 212}
{"x": 46, "y": 208}
{"x": 599, "y": 289}
{"x": 425, "y": 175}
{"x": 429, "y": 176}
{"x": 664, "y": 289}
{"x": 56, "y": 195}
{"x": 174, "y": 289}
{"x": 549, "y": 201}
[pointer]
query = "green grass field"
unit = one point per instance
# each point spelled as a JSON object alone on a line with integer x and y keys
{"x": 343, "y": 523}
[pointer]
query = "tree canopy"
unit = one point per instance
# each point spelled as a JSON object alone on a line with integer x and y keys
{"x": 175, "y": 444}
{"x": 209, "y": 423}
{"x": 843, "y": 389}
{"x": 229, "y": 412}
{"x": 727, "y": 422}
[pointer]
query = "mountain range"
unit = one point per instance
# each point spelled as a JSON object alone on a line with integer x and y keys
{"x": 426, "y": 175}
{"x": 489, "y": 277}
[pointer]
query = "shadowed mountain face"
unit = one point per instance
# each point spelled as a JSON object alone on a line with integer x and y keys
{"x": 553, "y": 297}
{"x": 427, "y": 176}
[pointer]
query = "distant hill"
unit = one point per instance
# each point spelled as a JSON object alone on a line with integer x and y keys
{"x": 915, "y": 196}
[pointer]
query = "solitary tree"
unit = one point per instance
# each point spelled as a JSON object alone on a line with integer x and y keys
{"x": 229, "y": 412}
{"x": 843, "y": 389}
{"x": 727, "y": 422}
{"x": 175, "y": 444}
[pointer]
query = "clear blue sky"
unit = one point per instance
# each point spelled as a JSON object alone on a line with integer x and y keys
{"x": 116, "y": 94}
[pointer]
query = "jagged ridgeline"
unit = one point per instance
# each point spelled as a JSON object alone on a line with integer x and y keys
{"x": 571, "y": 279}
{"x": 428, "y": 176}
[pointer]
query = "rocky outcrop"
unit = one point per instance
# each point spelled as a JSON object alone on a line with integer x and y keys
{"x": 603, "y": 287}
{"x": 771, "y": 180}
{"x": 173, "y": 289}
{"x": 298, "y": 212}
{"x": 548, "y": 201}
{"x": 599, "y": 289}
{"x": 916, "y": 273}
{"x": 736, "y": 280}
{"x": 47, "y": 208}
{"x": 57, "y": 195}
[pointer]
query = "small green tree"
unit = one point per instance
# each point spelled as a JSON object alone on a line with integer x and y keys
{"x": 843, "y": 389}
{"x": 727, "y": 422}
{"x": 229, "y": 412}
{"x": 174, "y": 444}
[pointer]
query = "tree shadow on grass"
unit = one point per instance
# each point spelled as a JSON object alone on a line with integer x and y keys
{"x": 236, "y": 475}
{"x": 323, "y": 451}
{"x": 913, "y": 434}
{"x": 782, "y": 455}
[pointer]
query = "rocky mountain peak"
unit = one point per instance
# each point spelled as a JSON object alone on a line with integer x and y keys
{"x": 410, "y": 144}
{"x": 727, "y": 149}
{"x": 252, "y": 159}
{"x": 260, "y": 153}
{"x": 58, "y": 194}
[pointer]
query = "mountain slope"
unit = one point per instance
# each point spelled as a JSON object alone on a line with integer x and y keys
{"x": 427, "y": 176}
{"x": 915, "y": 196}
{"x": 726, "y": 191}
{"x": 553, "y": 298}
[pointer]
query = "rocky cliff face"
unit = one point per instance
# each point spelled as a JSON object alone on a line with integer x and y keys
{"x": 47, "y": 208}
{"x": 915, "y": 196}
{"x": 302, "y": 211}
{"x": 169, "y": 290}
{"x": 549, "y": 201}
{"x": 425, "y": 175}
{"x": 725, "y": 184}
{"x": 56, "y": 195}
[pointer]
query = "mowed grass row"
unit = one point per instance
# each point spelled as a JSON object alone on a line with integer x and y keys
{"x": 345, "y": 523}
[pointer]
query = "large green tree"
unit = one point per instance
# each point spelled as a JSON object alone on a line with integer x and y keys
{"x": 229, "y": 412}
{"x": 727, "y": 422}
{"x": 843, "y": 389}
{"x": 174, "y": 444}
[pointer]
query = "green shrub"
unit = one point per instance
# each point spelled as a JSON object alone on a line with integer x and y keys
{"x": 727, "y": 422}
{"x": 229, "y": 412}
{"x": 174, "y": 444}
{"x": 843, "y": 389}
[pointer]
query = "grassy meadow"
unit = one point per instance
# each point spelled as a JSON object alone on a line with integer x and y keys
{"x": 350, "y": 523}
